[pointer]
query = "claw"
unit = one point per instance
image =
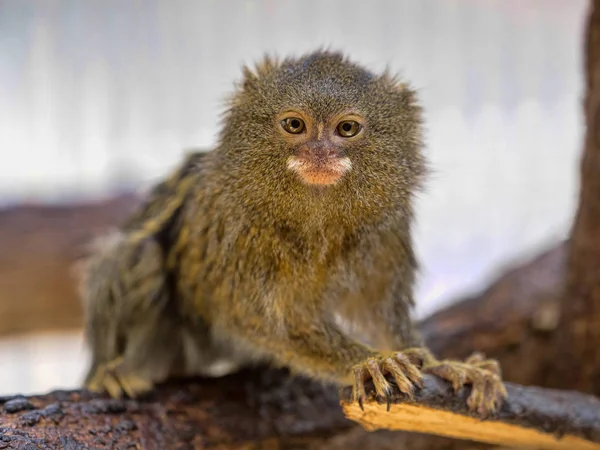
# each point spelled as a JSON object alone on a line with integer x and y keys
{"x": 419, "y": 356}
{"x": 412, "y": 372}
{"x": 478, "y": 359}
{"x": 112, "y": 386}
{"x": 487, "y": 391}
{"x": 475, "y": 358}
{"x": 402, "y": 375}
{"x": 111, "y": 378}
{"x": 359, "y": 393}
{"x": 403, "y": 372}
{"x": 450, "y": 372}
{"x": 382, "y": 387}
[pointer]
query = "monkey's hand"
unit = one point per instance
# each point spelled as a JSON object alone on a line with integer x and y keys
{"x": 487, "y": 393}
{"x": 402, "y": 366}
{"x": 484, "y": 375}
{"x": 114, "y": 378}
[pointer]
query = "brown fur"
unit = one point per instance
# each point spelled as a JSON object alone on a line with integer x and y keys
{"x": 236, "y": 258}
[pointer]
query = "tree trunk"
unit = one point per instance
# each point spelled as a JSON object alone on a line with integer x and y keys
{"x": 579, "y": 340}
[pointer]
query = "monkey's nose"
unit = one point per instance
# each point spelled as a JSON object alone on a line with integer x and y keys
{"x": 318, "y": 151}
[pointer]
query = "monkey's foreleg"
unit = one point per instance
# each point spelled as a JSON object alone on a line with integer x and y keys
{"x": 321, "y": 350}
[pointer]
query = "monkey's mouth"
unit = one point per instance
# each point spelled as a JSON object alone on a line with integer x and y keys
{"x": 322, "y": 172}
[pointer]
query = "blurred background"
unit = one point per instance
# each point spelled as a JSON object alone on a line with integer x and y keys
{"x": 99, "y": 98}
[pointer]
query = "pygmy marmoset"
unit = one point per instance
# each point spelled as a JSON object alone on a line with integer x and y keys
{"x": 290, "y": 242}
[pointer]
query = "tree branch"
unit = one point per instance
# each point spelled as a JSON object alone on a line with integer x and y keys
{"x": 266, "y": 408}
{"x": 250, "y": 407}
{"x": 43, "y": 242}
{"x": 533, "y": 417}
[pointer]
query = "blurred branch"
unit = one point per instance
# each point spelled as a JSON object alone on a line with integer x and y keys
{"x": 515, "y": 320}
{"x": 40, "y": 244}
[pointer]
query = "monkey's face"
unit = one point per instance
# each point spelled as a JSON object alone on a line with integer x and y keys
{"x": 319, "y": 147}
{"x": 320, "y": 128}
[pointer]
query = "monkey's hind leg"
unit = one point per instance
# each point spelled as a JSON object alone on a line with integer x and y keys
{"x": 111, "y": 378}
{"x": 131, "y": 326}
{"x": 150, "y": 354}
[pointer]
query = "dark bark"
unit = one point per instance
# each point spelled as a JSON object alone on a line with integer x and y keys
{"x": 251, "y": 407}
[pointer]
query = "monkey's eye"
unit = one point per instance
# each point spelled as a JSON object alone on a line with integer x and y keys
{"x": 348, "y": 128}
{"x": 293, "y": 125}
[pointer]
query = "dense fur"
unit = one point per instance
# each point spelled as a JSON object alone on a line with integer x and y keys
{"x": 238, "y": 259}
{"x": 279, "y": 250}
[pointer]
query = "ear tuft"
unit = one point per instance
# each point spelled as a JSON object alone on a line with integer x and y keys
{"x": 262, "y": 69}
{"x": 392, "y": 80}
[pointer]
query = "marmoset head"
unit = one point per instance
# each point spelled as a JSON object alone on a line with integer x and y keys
{"x": 321, "y": 125}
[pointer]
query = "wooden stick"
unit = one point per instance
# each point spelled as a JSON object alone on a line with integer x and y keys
{"x": 531, "y": 417}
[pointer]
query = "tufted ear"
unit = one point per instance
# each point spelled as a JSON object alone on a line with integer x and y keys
{"x": 393, "y": 81}
{"x": 263, "y": 68}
